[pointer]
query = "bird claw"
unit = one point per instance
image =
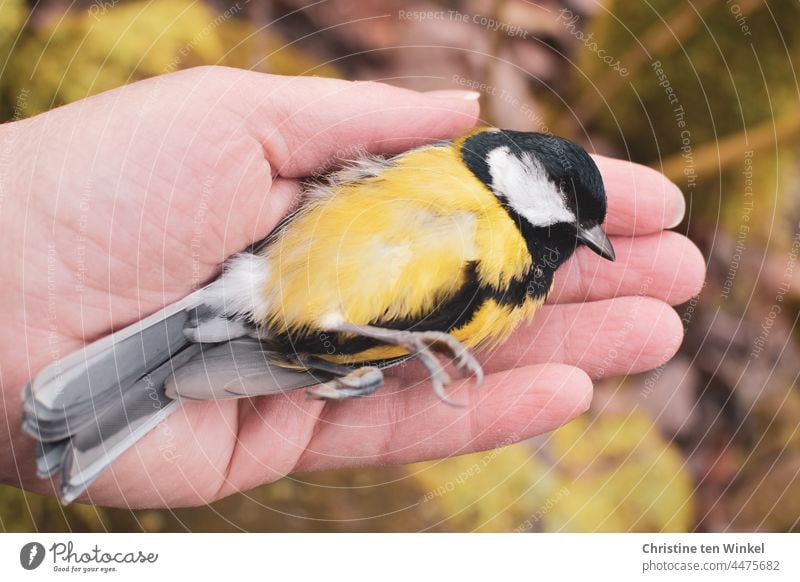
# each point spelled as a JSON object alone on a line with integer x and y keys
{"x": 360, "y": 382}
{"x": 425, "y": 344}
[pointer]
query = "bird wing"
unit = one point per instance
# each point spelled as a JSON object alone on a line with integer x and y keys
{"x": 237, "y": 369}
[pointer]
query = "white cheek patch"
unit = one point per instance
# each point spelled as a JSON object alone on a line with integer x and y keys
{"x": 527, "y": 188}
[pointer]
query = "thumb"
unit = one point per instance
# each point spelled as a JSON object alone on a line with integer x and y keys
{"x": 304, "y": 123}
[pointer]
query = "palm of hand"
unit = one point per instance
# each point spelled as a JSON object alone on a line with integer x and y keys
{"x": 179, "y": 172}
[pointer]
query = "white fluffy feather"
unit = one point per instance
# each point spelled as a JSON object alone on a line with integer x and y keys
{"x": 524, "y": 183}
{"x": 364, "y": 166}
{"x": 240, "y": 289}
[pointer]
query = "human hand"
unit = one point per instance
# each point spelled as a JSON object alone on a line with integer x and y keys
{"x": 129, "y": 200}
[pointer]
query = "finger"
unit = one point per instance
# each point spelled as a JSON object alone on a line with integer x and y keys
{"x": 272, "y": 434}
{"x": 181, "y": 462}
{"x": 618, "y": 336}
{"x": 411, "y": 424}
{"x": 667, "y": 266}
{"x": 640, "y": 199}
{"x": 256, "y": 217}
{"x": 305, "y": 122}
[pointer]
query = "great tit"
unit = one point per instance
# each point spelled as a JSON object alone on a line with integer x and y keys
{"x": 428, "y": 253}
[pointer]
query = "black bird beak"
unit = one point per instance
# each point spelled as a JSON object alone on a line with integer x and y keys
{"x": 597, "y": 240}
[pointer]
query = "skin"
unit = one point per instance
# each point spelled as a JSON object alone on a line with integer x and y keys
{"x": 104, "y": 223}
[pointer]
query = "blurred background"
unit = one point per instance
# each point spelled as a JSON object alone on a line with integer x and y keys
{"x": 706, "y": 91}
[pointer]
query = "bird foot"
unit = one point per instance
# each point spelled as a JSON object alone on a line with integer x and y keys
{"x": 360, "y": 382}
{"x": 424, "y": 345}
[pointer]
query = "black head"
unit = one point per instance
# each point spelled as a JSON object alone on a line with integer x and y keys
{"x": 547, "y": 181}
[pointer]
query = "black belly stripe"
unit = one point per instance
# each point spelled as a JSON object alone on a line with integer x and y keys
{"x": 449, "y": 314}
{"x": 453, "y": 313}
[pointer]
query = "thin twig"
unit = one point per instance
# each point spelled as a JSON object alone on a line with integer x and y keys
{"x": 661, "y": 38}
{"x": 726, "y": 151}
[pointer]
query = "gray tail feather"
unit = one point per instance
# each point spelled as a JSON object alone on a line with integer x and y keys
{"x": 88, "y": 408}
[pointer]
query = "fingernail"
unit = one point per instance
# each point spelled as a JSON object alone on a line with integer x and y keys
{"x": 455, "y": 94}
{"x": 680, "y": 208}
